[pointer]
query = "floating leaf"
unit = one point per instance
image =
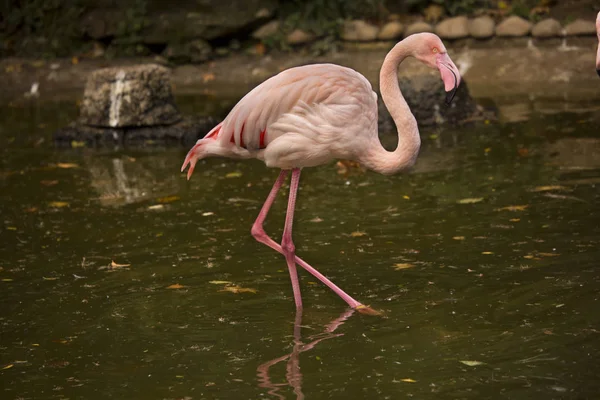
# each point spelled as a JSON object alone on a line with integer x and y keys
{"x": 237, "y": 289}
{"x": 11, "y": 228}
{"x": 358, "y": 234}
{"x": 58, "y": 204}
{"x": 208, "y": 213}
{"x": 471, "y": 363}
{"x": 235, "y": 174}
{"x": 49, "y": 279}
{"x": 115, "y": 265}
{"x": 7, "y": 280}
{"x": 400, "y": 266}
{"x": 549, "y": 254}
{"x": 49, "y": 182}
{"x": 77, "y": 143}
{"x": 487, "y": 252}
{"x": 512, "y": 208}
{"x": 156, "y": 207}
{"x": 548, "y": 188}
{"x": 220, "y": 282}
{"x": 207, "y": 77}
{"x": 175, "y": 286}
{"x": 514, "y": 219}
{"x": 405, "y": 197}
{"x": 458, "y": 237}
{"x": 470, "y": 200}
{"x": 167, "y": 199}
{"x": 8, "y": 366}
{"x": 67, "y": 165}
{"x": 408, "y": 380}
{"x": 316, "y": 219}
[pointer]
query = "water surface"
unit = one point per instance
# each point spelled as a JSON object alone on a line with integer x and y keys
{"x": 120, "y": 279}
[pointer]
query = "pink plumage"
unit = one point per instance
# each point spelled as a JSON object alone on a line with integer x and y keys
{"x": 310, "y": 115}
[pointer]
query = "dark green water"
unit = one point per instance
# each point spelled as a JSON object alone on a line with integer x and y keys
{"x": 484, "y": 261}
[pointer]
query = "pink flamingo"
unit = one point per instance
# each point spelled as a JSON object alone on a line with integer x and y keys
{"x": 598, "y": 51}
{"x": 310, "y": 115}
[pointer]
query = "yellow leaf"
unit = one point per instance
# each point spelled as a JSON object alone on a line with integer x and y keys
{"x": 7, "y": 280}
{"x": 208, "y": 214}
{"x": 67, "y": 165}
{"x": 514, "y": 219}
{"x": 235, "y": 174}
{"x": 115, "y": 265}
{"x": 548, "y": 188}
{"x": 406, "y": 197}
{"x": 471, "y": 363}
{"x": 408, "y": 380}
{"x": 358, "y": 234}
{"x": 487, "y": 149}
{"x": 175, "y": 286}
{"x": 400, "y": 266}
{"x": 74, "y": 60}
{"x": 458, "y": 238}
{"x": 77, "y": 143}
{"x": 167, "y": 199}
{"x": 8, "y": 366}
{"x": 220, "y": 282}
{"x": 549, "y": 254}
{"x": 207, "y": 77}
{"x": 49, "y": 279}
{"x": 487, "y": 252}
{"x": 58, "y": 204}
{"x": 236, "y": 289}
{"x": 11, "y": 228}
{"x": 156, "y": 207}
{"x": 512, "y": 208}
{"x": 470, "y": 200}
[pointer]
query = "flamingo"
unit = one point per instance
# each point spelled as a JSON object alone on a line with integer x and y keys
{"x": 310, "y": 115}
{"x": 598, "y": 51}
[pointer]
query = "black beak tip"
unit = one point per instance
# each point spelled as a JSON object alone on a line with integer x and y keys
{"x": 450, "y": 95}
{"x": 598, "y": 71}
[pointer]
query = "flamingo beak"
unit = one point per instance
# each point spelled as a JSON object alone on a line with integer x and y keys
{"x": 191, "y": 159}
{"x": 450, "y": 75}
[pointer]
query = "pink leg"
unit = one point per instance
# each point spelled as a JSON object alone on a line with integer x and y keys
{"x": 287, "y": 245}
{"x": 259, "y": 234}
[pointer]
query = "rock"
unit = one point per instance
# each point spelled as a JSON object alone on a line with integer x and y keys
{"x": 360, "y": 31}
{"x": 580, "y": 27}
{"x": 426, "y": 96}
{"x": 185, "y": 132}
{"x": 195, "y": 51}
{"x": 513, "y": 26}
{"x": 391, "y": 31}
{"x": 267, "y": 30}
{"x": 418, "y": 27}
{"x": 138, "y": 95}
{"x": 546, "y": 28}
{"x": 453, "y": 28}
{"x": 205, "y": 19}
{"x": 298, "y": 36}
{"x": 482, "y": 27}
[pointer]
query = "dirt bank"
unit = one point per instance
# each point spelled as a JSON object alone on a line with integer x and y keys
{"x": 552, "y": 71}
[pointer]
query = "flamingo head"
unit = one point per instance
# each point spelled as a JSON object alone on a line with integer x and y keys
{"x": 431, "y": 51}
{"x": 598, "y": 52}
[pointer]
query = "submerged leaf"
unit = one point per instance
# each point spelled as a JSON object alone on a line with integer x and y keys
{"x": 470, "y": 200}
{"x": 156, "y": 207}
{"x": 8, "y": 366}
{"x": 408, "y": 380}
{"x": 237, "y": 289}
{"x": 548, "y": 188}
{"x": 513, "y": 208}
{"x": 358, "y": 234}
{"x": 400, "y": 266}
{"x": 471, "y": 363}
{"x": 67, "y": 165}
{"x": 220, "y": 282}
{"x": 58, "y": 204}
{"x": 167, "y": 199}
{"x": 175, "y": 286}
{"x": 115, "y": 265}
{"x": 235, "y": 174}
{"x": 458, "y": 237}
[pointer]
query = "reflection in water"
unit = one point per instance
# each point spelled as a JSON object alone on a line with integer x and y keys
{"x": 293, "y": 375}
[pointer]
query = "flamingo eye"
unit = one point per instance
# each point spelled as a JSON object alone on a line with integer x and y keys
{"x": 435, "y": 50}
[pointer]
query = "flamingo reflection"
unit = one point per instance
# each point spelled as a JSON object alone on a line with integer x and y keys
{"x": 293, "y": 375}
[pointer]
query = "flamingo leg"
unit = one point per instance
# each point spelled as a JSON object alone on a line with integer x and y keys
{"x": 287, "y": 244}
{"x": 260, "y": 235}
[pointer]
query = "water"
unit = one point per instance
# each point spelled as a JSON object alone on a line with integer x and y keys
{"x": 483, "y": 261}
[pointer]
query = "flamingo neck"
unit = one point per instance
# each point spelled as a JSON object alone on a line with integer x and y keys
{"x": 377, "y": 158}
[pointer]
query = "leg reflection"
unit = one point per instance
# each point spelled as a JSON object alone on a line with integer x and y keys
{"x": 293, "y": 375}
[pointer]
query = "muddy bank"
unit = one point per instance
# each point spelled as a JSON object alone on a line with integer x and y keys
{"x": 550, "y": 71}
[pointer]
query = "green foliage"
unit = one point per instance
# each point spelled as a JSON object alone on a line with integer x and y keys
{"x": 128, "y": 37}
{"x": 51, "y": 25}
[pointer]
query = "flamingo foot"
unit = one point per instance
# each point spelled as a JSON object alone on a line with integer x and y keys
{"x": 361, "y": 308}
{"x": 191, "y": 159}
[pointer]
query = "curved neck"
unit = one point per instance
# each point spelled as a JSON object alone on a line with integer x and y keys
{"x": 378, "y": 158}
